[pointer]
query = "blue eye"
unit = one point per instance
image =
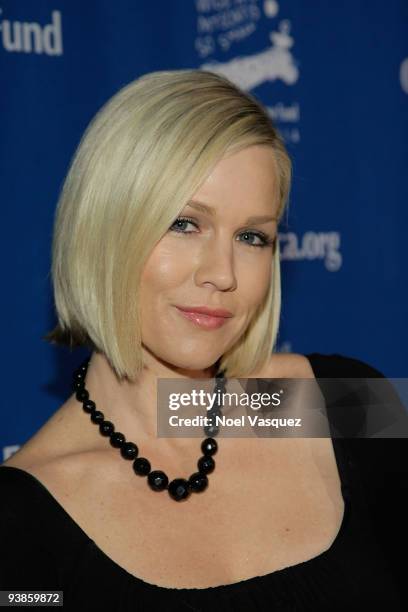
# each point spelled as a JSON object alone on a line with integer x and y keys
{"x": 265, "y": 240}
{"x": 181, "y": 221}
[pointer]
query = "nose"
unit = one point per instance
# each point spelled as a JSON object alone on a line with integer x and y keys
{"x": 216, "y": 266}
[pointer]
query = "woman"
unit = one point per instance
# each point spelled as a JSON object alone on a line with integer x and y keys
{"x": 172, "y": 203}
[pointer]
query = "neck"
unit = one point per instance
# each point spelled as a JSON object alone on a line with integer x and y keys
{"x": 132, "y": 406}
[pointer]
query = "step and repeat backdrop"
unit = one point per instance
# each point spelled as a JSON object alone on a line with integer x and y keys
{"x": 333, "y": 77}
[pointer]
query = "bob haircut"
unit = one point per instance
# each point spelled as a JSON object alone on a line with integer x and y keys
{"x": 140, "y": 160}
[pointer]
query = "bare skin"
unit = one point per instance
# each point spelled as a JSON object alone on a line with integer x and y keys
{"x": 271, "y": 503}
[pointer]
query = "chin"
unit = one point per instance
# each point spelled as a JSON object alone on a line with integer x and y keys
{"x": 183, "y": 360}
{"x": 193, "y": 365}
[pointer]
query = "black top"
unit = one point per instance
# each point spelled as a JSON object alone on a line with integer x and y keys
{"x": 43, "y": 548}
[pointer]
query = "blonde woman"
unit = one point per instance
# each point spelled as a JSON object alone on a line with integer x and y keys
{"x": 165, "y": 264}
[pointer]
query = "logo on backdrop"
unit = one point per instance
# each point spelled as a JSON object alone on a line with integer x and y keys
{"x": 312, "y": 246}
{"x": 9, "y": 450}
{"x": 403, "y": 75}
{"x": 274, "y": 62}
{"x": 32, "y": 37}
{"x": 222, "y": 24}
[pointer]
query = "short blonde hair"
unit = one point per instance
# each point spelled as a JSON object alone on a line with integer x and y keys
{"x": 142, "y": 157}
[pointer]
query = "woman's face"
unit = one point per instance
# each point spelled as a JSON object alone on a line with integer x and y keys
{"x": 217, "y": 260}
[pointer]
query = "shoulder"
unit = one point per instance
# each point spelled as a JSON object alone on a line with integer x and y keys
{"x": 63, "y": 476}
{"x": 314, "y": 365}
{"x": 60, "y": 450}
{"x": 361, "y": 399}
{"x": 42, "y": 477}
{"x": 288, "y": 365}
{"x": 36, "y": 470}
{"x": 53, "y": 439}
{"x": 335, "y": 365}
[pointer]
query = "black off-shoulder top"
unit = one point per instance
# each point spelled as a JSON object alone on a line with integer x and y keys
{"x": 43, "y": 548}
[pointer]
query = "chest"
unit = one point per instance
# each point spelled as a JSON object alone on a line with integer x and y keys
{"x": 279, "y": 505}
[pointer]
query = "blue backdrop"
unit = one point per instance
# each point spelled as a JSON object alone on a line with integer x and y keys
{"x": 333, "y": 75}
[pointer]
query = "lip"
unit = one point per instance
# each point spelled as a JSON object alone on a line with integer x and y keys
{"x": 203, "y": 320}
{"x": 211, "y": 312}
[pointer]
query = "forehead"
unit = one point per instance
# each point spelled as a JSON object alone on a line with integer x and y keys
{"x": 211, "y": 211}
{"x": 248, "y": 177}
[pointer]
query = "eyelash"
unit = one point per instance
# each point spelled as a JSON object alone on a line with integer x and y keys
{"x": 265, "y": 240}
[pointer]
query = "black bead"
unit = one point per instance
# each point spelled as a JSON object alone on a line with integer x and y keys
{"x": 206, "y": 464}
{"x": 81, "y": 370}
{"x": 179, "y": 489}
{"x": 117, "y": 439}
{"x": 89, "y": 406}
{"x": 97, "y": 417}
{"x": 213, "y": 413}
{"x": 141, "y": 466}
{"x": 216, "y": 409}
{"x": 82, "y": 395}
{"x": 157, "y": 480}
{"x": 198, "y": 482}
{"x": 78, "y": 384}
{"x": 84, "y": 364}
{"x": 106, "y": 428}
{"x": 129, "y": 450}
{"x": 79, "y": 375}
{"x": 211, "y": 430}
{"x": 209, "y": 446}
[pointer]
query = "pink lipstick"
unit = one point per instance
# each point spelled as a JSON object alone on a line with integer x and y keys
{"x": 204, "y": 317}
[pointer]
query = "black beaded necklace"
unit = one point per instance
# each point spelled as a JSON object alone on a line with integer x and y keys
{"x": 179, "y": 489}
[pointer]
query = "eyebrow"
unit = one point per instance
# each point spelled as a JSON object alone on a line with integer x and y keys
{"x": 211, "y": 211}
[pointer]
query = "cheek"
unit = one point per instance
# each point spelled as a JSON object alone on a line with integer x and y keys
{"x": 164, "y": 268}
{"x": 254, "y": 282}
{"x": 163, "y": 275}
